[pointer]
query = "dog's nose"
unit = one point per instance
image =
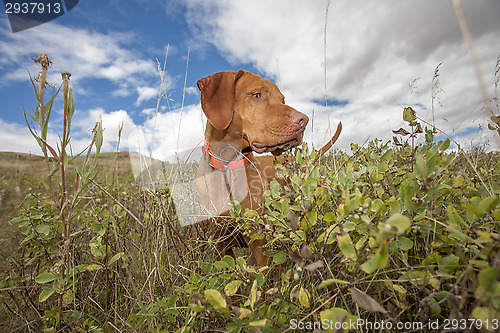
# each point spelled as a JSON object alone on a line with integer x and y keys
{"x": 300, "y": 119}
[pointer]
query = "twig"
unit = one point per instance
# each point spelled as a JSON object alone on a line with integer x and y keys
{"x": 183, "y": 96}
{"x": 160, "y": 95}
{"x": 324, "y": 54}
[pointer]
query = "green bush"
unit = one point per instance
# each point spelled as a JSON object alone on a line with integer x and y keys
{"x": 393, "y": 233}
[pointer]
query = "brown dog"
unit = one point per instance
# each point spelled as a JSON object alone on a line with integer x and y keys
{"x": 246, "y": 114}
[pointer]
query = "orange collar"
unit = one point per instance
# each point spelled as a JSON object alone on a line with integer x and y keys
{"x": 221, "y": 164}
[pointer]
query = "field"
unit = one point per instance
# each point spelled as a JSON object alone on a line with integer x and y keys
{"x": 399, "y": 236}
{"x": 386, "y": 234}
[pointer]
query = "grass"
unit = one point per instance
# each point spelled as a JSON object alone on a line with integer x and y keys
{"x": 165, "y": 277}
{"x": 402, "y": 232}
{"x": 20, "y": 179}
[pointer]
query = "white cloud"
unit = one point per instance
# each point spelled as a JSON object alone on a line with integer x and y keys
{"x": 84, "y": 53}
{"x": 191, "y": 91}
{"x": 17, "y": 138}
{"x": 111, "y": 123}
{"x": 145, "y": 93}
{"x": 374, "y": 51}
{"x": 175, "y": 132}
{"x": 148, "y": 111}
{"x": 138, "y": 137}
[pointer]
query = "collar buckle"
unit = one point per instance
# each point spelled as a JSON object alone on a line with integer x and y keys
{"x": 220, "y": 163}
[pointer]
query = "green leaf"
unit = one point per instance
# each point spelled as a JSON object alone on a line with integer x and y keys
{"x": 214, "y": 297}
{"x": 230, "y": 261}
{"x": 336, "y": 317}
{"x": 250, "y": 213}
{"x": 488, "y": 277}
{"x": 279, "y": 257}
{"x": 44, "y": 229}
{"x": 116, "y": 257}
{"x": 312, "y": 217}
{"x": 486, "y": 316}
{"x": 221, "y": 264}
{"x": 35, "y": 135}
{"x": 254, "y": 295}
{"x": 449, "y": 263}
{"x": 382, "y": 167}
{"x": 330, "y": 234}
{"x": 473, "y": 210}
{"x": 48, "y": 108}
{"x": 456, "y": 232}
{"x": 243, "y": 313}
{"x": 275, "y": 188}
{"x": 45, "y": 294}
{"x": 400, "y": 222}
{"x": 197, "y": 307}
{"x": 326, "y": 283}
{"x": 45, "y": 277}
{"x": 299, "y": 159}
{"x": 443, "y": 145}
{"x": 361, "y": 242}
{"x": 408, "y": 114}
{"x": 20, "y": 221}
{"x": 349, "y": 226}
{"x": 376, "y": 177}
{"x": 71, "y": 104}
{"x": 329, "y": 217}
{"x": 435, "y": 307}
{"x": 347, "y": 247}
{"x": 232, "y": 287}
{"x": 421, "y": 167}
{"x": 402, "y": 243}
{"x": 378, "y": 261}
{"x": 453, "y": 215}
{"x": 98, "y": 138}
{"x": 93, "y": 267}
{"x": 458, "y": 181}
{"x": 304, "y": 297}
{"x": 376, "y": 205}
{"x": 258, "y": 323}
{"x": 488, "y": 204}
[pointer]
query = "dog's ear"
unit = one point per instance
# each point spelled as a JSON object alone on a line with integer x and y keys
{"x": 218, "y": 97}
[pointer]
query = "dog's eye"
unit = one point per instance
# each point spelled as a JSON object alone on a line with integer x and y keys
{"x": 256, "y": 94}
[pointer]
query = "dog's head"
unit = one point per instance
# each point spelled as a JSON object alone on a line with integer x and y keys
{"x": 251, "y": 110}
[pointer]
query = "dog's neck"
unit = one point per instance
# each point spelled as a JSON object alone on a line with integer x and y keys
{"x": 226, "y": 144}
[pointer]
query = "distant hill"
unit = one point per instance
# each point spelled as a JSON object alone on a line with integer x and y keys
{"x": 20, "y": 175}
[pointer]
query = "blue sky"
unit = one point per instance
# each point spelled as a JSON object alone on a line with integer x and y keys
{"x": 374, "y": 51}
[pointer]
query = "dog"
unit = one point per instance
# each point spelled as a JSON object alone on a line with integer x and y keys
{"x": 246, "y": 114}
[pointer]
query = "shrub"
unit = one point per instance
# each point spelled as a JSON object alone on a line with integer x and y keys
{"x": 388, "y": 234}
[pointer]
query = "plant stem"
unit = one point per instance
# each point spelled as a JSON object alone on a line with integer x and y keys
{"x": 44, "y": 61}
{"x": 64, "y": 201}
